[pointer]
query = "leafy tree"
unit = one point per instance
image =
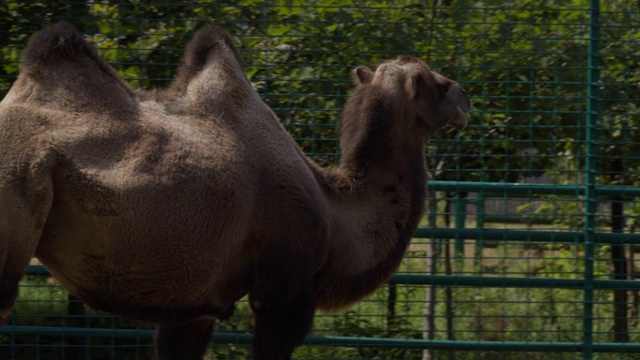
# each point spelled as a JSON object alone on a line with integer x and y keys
{"x": 524, "y": 64}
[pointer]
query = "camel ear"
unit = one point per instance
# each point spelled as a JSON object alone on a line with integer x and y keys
{"x": 364, "y": 75}
{"x": 413, "y": 84}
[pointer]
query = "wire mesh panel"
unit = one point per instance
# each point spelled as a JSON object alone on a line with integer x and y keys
{"x": 528, "y": 247}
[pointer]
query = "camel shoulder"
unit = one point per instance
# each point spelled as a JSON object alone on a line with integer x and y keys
{"x": 21, "y": 117}
{"x": 24, "y": 141}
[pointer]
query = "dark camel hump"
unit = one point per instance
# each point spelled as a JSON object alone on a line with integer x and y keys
{"x": 61, "y": 59}
{"x": 207, "y": 39}
{"x": 59, "y": 42}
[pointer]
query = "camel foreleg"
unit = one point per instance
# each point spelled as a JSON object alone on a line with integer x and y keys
{"x": 186, "y": 340}
{"x": 284, "y": 304}
{"x": 15, "y": 264}
{"x": 20, "y": 231}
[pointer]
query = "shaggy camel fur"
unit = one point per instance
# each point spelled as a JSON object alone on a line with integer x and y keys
{"x": 170, "y": 206}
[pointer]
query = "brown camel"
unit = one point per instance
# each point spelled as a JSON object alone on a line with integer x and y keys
{"x": 170, "y": 206}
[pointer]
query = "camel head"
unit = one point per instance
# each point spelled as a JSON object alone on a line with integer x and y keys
{"x": 378, "y": 190}
{"x": 430, "y": 99}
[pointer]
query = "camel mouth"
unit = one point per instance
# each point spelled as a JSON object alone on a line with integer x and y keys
{"x": 460, "y": 119}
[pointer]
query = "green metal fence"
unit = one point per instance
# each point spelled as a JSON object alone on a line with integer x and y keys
{"x": 528, "y": 249}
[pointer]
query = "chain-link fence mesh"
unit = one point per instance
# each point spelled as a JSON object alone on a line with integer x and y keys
{"x": 527, "y": 250}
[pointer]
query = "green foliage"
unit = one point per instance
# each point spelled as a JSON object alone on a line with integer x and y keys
{"x": 524, "y": 64}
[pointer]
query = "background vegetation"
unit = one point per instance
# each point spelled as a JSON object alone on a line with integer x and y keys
{"x": 525, "y": 64}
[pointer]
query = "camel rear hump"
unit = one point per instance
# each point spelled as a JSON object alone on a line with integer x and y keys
{"x": 208, "y": 40}
{"x": 211, "y": 79}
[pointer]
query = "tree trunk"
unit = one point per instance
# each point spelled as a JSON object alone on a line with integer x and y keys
{"x": 77, "y": 345}
{"x": 75, "y": 306}
{"x": 619, "y": 261}
{"x": 448, "y": 292}
{"x": 430, "y": 290}
{"x": 391, "y": 306}
{"x": 635, "y": 295}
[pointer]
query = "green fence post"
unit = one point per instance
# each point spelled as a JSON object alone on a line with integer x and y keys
{"x": 480, "y": 213}
{"x": 460, "y": 218}
{"x": 590, "y": 176}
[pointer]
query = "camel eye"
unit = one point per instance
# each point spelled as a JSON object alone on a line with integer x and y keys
{"x": 443, "y": 88}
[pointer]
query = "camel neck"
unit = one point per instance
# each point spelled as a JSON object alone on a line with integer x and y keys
{"x": 375, "y": 197}
{"x": 371, "y": 225}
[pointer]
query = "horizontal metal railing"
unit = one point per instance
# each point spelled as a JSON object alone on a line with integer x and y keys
{"x": 245, "y": 339}
{"x": 531, "y": 189}
{"x": 418, "y": 279}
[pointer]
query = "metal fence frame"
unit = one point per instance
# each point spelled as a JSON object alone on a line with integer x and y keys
{"x": 590, "y": 237}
